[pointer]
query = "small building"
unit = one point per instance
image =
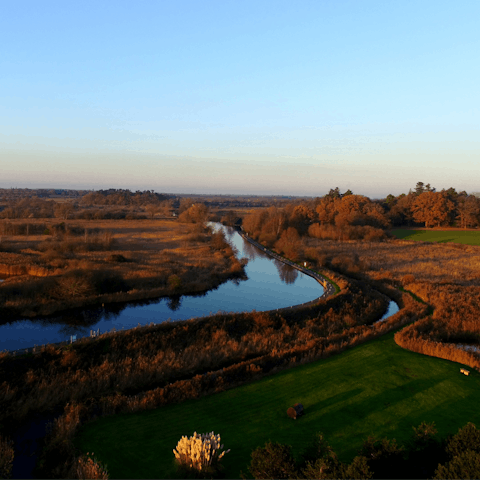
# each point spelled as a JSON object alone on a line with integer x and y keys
{"x": 465, "y": 371}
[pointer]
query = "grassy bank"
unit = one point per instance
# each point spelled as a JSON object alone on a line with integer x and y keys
{"x": 467, "y": 237}
{"x": 377, "y": 388}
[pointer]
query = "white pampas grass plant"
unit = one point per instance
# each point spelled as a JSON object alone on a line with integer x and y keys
{"x": 200, "y": 451}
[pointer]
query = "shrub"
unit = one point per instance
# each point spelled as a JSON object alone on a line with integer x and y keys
{"x": 6, "y": 457}
{"x": 467, "y": 438}
{"x": 88, "y": 467}
{"x": 465, "y": 465}
{"x": 200, "y": 453}
{"x": 83, "y": 283}
{"x": 407, "y": 279}
{"x": 273, "y": 461}
{"x": 174, "y": 282}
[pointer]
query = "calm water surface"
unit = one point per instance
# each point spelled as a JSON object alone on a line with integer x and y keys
{"x": 270, "y": 284}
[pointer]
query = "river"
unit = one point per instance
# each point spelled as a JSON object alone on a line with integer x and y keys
{"x": 271, "y": 284}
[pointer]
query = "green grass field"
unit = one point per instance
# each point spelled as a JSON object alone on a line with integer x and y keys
{"x": 376, "y": 388}
{"x": 439, "y": 236}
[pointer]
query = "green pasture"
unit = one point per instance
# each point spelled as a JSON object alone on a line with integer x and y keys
{"x": 376, "y": 388}
{"x": 456, "y": 236}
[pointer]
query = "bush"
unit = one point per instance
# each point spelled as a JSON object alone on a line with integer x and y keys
{"x": 273, "y": 461}
{"x": 6, "y": 457}
{"x": 200, "y": 454}
{"x": 465, "y": 465}
{"x": 83, "y": 283}
{"x": 174, "y": 282}
{"x": 407, "y": 279}
{"x": 467, "y": 438}
{"x": 88, "y": 467}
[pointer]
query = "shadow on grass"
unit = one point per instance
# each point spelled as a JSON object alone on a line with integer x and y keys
{"x": 387, "y": 399}
{"x": 334, "y": 399}
{"x": 401, "y": 233}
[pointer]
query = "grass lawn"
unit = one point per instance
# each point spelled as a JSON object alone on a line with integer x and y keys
{"x": 467, "y": 237}
{"x": 376, "y": 388}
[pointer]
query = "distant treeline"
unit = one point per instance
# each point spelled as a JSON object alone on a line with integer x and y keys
{"x": 36, "y": 207}
{"x": 347, "y": 216}
{"x": 123, "y": 197}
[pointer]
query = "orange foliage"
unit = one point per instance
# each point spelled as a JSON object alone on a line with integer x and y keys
{"x": 432, "y": 208}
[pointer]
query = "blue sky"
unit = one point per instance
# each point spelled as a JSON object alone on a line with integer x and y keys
{"x": 262, "y": 97}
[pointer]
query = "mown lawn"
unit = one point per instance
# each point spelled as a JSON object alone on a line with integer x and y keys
{"x": 441, "y": 236}
{"x": 376, "y": 388}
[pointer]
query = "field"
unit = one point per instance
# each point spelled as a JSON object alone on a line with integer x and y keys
{"x": 467, "y": 237}
{"x": 394, "y": 259}
{"x": 376, "y": 388}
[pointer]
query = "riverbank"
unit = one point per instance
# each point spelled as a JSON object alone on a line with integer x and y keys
{"x": 164, "y": 363}
{"x": 330, "y": 287}
{"x": 128, "y": 261}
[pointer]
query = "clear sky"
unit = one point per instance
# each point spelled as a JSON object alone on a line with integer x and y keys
{"x": 253, "y": 97}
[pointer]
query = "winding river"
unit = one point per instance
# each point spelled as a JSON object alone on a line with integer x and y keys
{"x": 271, "y": 284}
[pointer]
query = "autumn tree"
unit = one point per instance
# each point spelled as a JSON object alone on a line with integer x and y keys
{"x": 359, "y": 210}
{"x": 326, "y": 210}
{"x": 152, "y": 209}
{"x": 432, "y": 208}
{"x": 468, "y": 208}
{"x": 252, "y": 224}
{"x": 266, "y": 225}
{"x": 289, "y": 243}
{"x": 276, "y": 222}
{"x": 63, "y": 210}
{"x": 197, "y": 213}
{"x": 301, "y": 218}
{"x": 401, "y": 211}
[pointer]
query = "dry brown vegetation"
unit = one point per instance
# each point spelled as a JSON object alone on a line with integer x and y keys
{"x": 342, "y": 232}
{"x": 81, "y": 262}
{"x": 395, "y": 259}
{"x": 148, "y": 367}
{"x": 152, "y": 366}
{"x": 444, "y": 276}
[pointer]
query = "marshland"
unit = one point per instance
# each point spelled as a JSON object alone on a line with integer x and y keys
{"x": 346, "y": 238}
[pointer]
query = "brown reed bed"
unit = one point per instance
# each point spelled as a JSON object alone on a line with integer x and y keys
{"x": 444, "y": 276}
{"x": 85, "y": 262}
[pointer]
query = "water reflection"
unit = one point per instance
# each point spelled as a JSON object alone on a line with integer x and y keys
{"x": 252, "y": 252}
{"x": 286, "y": 273}
{"x": 270, "y": 285}
{"x": 174, "y": 303}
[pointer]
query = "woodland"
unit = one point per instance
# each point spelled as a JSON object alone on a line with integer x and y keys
{"x": 100, "y": 259}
